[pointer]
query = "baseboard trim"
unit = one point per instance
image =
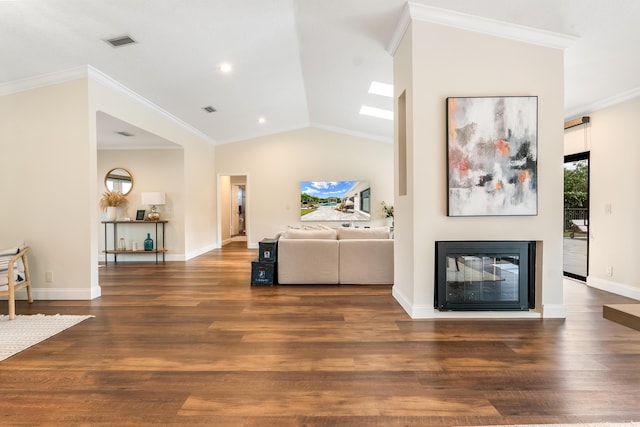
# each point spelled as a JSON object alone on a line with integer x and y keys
{"x": 614, "y": 287}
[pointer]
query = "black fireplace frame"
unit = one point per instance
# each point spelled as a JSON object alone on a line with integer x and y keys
{"x": 526, "y": 255}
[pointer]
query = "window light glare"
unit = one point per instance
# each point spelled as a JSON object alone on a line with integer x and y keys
{"x": 376, "y": 112}
{"x": 383, "y": 89}
{"x": 225, "y": 67}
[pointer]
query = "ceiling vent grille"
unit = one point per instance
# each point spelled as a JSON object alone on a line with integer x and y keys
{"x": 123, "y": 133}
{"x": 209, "y": 109}
{"x": 120, "y": 41}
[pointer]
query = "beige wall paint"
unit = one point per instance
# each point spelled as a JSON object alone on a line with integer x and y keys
{"x": 404, "y": 269}
{"x": 152, "y": 170}
{"x": 198, "y": 192}
{"x": 614, "y": 238}
{"x": 452, "y": 62}
{"x": 275, "y": 165}
{"x": 47, "y": 186}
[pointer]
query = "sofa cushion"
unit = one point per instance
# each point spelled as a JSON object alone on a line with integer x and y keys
{"x": 5, "y": 257}
{"x": 366, "y": 261}
{"x": 310, "y": 261}
{"x": 363, "y": 233}
{"x": 328, "y": 234}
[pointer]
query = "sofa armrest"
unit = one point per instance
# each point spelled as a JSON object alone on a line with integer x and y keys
{"x": 307, "y": 261}
{"x": 366, "y": 261}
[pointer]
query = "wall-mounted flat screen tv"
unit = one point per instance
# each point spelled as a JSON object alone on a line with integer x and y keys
{"x": 343, "y": 201}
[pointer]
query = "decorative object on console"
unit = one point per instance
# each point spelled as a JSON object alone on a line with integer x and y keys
{"x": 492, "y": 156}
{"x": 335, "y": 201}
{"x": 153, "y": 199}
{"x": 387, "y": 211}
{"x": 140, "y": 215}
{"x": 148, "y": 243}
{"x": 119, "y": 180}
{"x": 110, "y": 201}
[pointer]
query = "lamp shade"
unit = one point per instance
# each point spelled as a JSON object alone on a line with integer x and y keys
{"x": 153, "y": 198}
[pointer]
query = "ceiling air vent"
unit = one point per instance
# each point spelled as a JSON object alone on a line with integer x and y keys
{"x": 209, "y": 109}
{"x": 120, "y": 41}
{"x": 123, "y": 133}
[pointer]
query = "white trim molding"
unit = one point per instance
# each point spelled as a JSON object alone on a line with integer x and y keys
{"x": 603, "y": 103}
{"x": 478, "y": 24}
{"x": 622, "y": 289}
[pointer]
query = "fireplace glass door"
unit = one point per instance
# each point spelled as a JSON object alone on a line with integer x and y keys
{"x": 483, "y": 278}
{"x": 477, "y": 278}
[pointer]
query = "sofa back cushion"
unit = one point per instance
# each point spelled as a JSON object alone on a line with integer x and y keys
{"x": 329, "y": 234}
{"x": 363, "y": 233}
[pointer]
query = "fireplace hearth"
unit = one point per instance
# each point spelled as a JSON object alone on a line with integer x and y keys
{"x": 485, "y": 275}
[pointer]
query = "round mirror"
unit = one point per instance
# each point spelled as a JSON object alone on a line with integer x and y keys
{"x": 119, "y": 179}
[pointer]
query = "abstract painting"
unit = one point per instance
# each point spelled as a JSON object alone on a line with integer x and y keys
{"x": 492, "y": 156}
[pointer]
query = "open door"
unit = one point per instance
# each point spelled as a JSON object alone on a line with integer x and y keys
{"x": 576, "y": 216}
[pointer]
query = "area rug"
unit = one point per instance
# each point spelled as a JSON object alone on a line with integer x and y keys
{"x": 25, "y": 331}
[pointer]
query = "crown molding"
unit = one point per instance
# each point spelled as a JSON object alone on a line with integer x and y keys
{"x": 401, "y": 28}
{"x": 603, "y": 103}
{"x": 43, "y": 80}
{"x": 479, "y": 24}
{"x": 90, "y": 72}
{"x": 105, "y": 80}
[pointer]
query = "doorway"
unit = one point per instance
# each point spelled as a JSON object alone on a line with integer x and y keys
{"x": 576, "y": 216}
{"x": 238, "y": 203}
{"x": 233, "y": 214}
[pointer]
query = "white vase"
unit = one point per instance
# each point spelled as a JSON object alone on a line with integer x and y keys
{"x": 112, "y": 213}
{"x": 389, "y": 221}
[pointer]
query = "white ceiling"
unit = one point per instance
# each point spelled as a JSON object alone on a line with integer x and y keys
{"x": 296, "y": 62}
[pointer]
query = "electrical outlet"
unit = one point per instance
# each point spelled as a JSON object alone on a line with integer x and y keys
{"x": 48, "y": 276}
{"x": 609, "y": 271}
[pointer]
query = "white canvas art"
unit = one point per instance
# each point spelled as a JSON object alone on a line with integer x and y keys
{"x": 492, "y": 156}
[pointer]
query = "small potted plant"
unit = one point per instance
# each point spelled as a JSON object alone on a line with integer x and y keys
{"x": 387, "y": 211}
{"x": 110, "y": 201}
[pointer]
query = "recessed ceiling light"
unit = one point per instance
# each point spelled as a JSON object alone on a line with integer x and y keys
{"x": 225, "y": 67}
{"x": 383, "y": 89}
{"x": 261, "y": 120}
{"x": 376, "y": 112}
{"x": 120, "y": 41}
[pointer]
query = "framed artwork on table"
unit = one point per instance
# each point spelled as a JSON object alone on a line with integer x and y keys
{"x": 492, "y": 165}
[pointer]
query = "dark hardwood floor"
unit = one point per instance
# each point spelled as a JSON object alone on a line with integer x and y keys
{"x": 191, "y": 343}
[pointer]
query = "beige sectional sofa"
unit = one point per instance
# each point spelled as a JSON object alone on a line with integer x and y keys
{"x": 336, "y": 256}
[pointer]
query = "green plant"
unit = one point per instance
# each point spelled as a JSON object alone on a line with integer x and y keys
{"x": 387, "y": 210}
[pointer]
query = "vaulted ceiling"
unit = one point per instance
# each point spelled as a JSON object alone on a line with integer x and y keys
{"x": 295, "y": 63}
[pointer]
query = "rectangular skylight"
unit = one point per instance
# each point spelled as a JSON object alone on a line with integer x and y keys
{"x": 383, "y": 89}
{"x": 376, "y": 112}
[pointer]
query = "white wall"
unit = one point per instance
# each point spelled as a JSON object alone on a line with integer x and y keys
{"x": 614, "y": 238}
{"x": 198, "y": 193}
{"x": 275, "y": 165}
{"x": 47, "y": 186}
{"x": 48, "y": 179}
{"x": 152, "y": 170}
{"x": 434, "y": 62}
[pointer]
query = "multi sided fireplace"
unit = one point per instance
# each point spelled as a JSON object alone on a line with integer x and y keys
{"x": 485, "y": 275}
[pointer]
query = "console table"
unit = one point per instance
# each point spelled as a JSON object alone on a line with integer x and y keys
{"x": 158, "y": 249}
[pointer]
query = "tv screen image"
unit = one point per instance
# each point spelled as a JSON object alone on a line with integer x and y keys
{"x": 335, "y": 201}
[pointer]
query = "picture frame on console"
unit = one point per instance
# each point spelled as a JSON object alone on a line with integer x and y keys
{"x": 492, "y": 147}
{"x": 140, "y": 215}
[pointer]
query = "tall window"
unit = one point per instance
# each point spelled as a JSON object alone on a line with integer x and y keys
{"x": 365, "y": 201}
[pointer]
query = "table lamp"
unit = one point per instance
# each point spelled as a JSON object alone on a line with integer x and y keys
{"x": 153, "y": 199}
